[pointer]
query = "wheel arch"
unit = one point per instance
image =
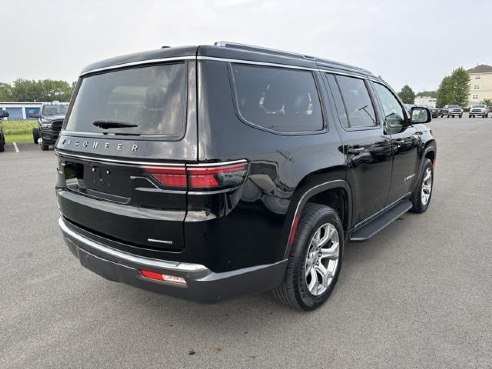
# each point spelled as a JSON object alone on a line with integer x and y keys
{"x": 335, "y": 193}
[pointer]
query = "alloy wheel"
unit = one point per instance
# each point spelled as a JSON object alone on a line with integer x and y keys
{"x": 322, "y": 259}
{"x": 426, "y": 186}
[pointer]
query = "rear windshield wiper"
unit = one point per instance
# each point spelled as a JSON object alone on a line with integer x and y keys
{"x": 110, "y": 124}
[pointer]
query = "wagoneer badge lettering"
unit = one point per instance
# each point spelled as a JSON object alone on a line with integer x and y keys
{"x": 107, "y": 145}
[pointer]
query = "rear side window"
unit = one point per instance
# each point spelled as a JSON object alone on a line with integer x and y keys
{"x": 358, "y": 104}
{"x": 278, "y": 99}
{"x": 139, "y": 101}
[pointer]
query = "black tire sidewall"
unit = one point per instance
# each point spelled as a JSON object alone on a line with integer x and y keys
{"x": 306, "y": 231}
{"x": 418, "y": 206}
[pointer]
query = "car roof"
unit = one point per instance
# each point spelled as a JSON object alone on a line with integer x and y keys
{"x": 226, "y": 51}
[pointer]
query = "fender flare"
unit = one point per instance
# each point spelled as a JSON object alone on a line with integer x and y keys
{"x": 431, "y": 146}
{"x": 339, "y": 183}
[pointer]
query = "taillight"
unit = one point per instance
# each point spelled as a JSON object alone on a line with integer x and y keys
{"x": 169, "y": 176}
{"x": 213, "y": 176}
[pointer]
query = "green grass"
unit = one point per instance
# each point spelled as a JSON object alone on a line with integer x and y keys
{"x": 18, "y": 130}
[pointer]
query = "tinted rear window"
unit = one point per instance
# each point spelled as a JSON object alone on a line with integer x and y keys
{"x": 279, "y": 99}
{"x": 152, "y": 98}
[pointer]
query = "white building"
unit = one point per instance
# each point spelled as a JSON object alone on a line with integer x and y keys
{"x": 428, "y": 101}
{"x": 480, "y": 84}
{"x": 21, "y": 110}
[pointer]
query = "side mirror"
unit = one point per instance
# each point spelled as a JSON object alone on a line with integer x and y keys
{"x": 34, "y": 115}
{"x": 4, "y": 114}
{"x": 420, "y": 115}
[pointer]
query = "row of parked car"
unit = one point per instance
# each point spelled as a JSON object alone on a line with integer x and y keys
{"x": 457, "y": 111}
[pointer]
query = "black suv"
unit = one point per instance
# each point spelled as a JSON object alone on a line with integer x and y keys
{"x": 208, "y": 172}
{"x": 3, "y": 114}
{"x": 50, "y": 121}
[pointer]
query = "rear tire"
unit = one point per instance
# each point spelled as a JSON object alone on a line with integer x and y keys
{"x": 44, "y": 147}
{"x": 315, "y": 259}
{"x": 2, "y": 142}
{"x": 422, "y": 194}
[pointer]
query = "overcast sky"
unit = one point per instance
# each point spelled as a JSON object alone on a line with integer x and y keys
{"x": 413, "y": 42}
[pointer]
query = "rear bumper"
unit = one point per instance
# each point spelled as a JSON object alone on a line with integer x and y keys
{"x": 201, "y": 283}
{"x": 454, "y": 113}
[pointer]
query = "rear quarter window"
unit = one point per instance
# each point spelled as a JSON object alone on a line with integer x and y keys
{"x": 277, "y": 99}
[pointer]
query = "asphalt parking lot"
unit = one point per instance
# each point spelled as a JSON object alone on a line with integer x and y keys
{"x": 418, "y": 295}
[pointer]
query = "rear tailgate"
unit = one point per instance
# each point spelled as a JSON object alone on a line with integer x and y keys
{"x": 145, "y": 118}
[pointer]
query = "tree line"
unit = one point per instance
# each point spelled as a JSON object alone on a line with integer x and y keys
{"x": 32, "y": 90}
{"x": 453, "y": 89}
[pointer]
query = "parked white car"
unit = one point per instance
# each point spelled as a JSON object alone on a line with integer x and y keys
{"x": 480, "y": 110}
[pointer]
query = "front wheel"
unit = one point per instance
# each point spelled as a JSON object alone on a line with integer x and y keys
{"x": 422, "y": 194}
{"x": 35, "y": 135}
{"x": 461, "y": 116}
{"x": 315, "y": 259}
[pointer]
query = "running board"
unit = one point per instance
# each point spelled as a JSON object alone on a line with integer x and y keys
{"x": 380, "y": 222}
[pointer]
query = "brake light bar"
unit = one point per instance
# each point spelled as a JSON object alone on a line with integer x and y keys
{"x": 213, "y": 176}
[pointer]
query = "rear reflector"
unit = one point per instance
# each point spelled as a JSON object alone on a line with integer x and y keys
{"x": 214, "y": 176}
{"x": 162, "y": 277}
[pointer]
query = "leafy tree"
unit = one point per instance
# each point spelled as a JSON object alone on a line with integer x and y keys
{"x": 42, "y": 90}
{"x": 25, "y": 90}
{"x": 444, "y": 93}
{"x": 5, "y": 92}
{"x": 487, "y": 102}
{"x": 461, "y": 86}
{"x": 407, "y": 95}
{"x": 432, "y": 94}
{"x": 454, "y": 89}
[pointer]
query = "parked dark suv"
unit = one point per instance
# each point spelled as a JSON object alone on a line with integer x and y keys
{"x": 50, "y": 121}
{"x": 3, "y": 114}
{"x": 209, "y": 172}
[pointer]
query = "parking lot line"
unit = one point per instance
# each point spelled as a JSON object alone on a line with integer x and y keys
{"x": 16, "y": 148}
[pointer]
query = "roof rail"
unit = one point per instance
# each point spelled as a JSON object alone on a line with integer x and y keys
{"x": 238, "y": 46}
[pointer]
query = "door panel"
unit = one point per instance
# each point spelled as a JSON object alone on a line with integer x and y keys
{"x": 405, "y": 141}
{"x": 405, "y": 162}
{"x": 367, "y": 149}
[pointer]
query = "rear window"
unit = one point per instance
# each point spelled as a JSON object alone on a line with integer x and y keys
{"x": 139, "y": 101}
{"x": 278, "y": 99}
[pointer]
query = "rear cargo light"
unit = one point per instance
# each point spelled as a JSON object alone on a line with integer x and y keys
{"x": 215, "y": 176}
{"x": 162, "y": 277}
